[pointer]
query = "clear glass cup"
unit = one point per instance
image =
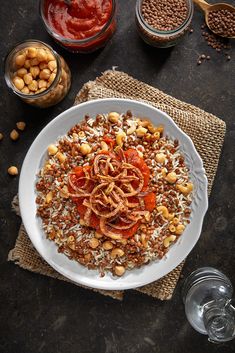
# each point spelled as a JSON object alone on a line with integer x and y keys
{"x": 162, "y": 39}
{"x": 50, "y": 95}
{"x": 209, "y": 308}
{"x": 86, "y": 45}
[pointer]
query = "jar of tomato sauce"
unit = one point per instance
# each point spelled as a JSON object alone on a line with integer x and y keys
{"x": 80, "y": 26}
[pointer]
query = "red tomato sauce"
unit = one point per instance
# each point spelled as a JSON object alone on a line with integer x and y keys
{"x": 133, "y": 158}
{"x": 81, "y": 19}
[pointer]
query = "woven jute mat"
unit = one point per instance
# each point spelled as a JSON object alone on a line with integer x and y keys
{"x": 206, "y": 130}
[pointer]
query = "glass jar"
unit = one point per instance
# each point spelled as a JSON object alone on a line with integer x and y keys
{"x": 86, "y": 45}
{"x": 209, "y": 307}
{"x": 37, "y": 74}
{"x": 161, "y": 38}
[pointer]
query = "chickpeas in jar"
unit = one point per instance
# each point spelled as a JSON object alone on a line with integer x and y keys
{"x": 37, "y": 74}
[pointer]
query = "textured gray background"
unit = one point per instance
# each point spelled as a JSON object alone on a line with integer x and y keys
{"x": 39, "y": 314}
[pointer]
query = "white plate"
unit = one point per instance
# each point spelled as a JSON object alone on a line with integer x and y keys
{"x": 48, "y": 250}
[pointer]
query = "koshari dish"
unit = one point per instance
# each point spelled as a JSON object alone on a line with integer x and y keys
{"x": 114, "y": 193}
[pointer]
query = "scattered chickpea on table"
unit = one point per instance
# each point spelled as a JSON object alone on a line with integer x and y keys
{"x": 14, "y": 135}
{"x": 12, "y": 170}
{"x": 20, "y": 125}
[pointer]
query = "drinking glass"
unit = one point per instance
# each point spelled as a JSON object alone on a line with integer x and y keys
{"x": 209, "y": 307}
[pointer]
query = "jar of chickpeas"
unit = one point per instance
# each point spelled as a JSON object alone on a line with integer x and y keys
{"x": 37, "y": 74}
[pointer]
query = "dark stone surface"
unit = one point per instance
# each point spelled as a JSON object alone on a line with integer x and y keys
{"x": 39, "y": 314}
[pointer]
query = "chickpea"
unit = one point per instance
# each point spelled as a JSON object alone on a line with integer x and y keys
{"x": 45, "y": 74}
{"x": 14, "y": 135}
{"x": 27, "y": 64}
{"x": 20, "y": 125}
{"x": 33, "y": 86}
{"x": 61, "y": 157}
{"x": 21, "y": 72}
{"x": 179, "y": 229}
{"x": 50, "y": 56}
{"x": 113, "y": 117}
{"x": 20, "y": 59}
{"x": 94, "y": 243}
{"x": 85, "y": 148}
{"x": 34, "y": 62}
{"x": 107, "y": 245}
{"x": 119, "y": 270}
{"x": 98, "y": 235}
{"x": 12, "y": 170}
{"x": 51, "y": 78}
{"x": 34, "y": 70}
{"x": 171, "y": 177}
{"x": 28, "y": 78}
{"x": 18, "y": 82}
{"x": 52, "y": 150}
{"x": 49, "y": 197}
{"x": 31, "y": 52}
{"x": 160, "y": 157}
{"x": 42, "y": 84}
{"x": 43, "y": 65}
{"x": 1, "y": 136}
{"x": 40, "y": 90}
{"x": 52, "y": 65}
{"x": 25, "y": 90}
{"x": 41, "y": 55}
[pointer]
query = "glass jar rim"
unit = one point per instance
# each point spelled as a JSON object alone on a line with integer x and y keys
{"x": 9, "y": 81}
{"x": 65, "y": 40}
{"x": 155, "y": 31}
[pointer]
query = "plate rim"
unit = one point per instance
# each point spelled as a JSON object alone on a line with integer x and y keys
{"x": 117, "y": 285}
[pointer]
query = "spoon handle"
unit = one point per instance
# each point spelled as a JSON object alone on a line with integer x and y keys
{"x": 202, "y": 4}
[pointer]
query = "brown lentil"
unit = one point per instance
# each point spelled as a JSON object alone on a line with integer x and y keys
{"x": 222, "y": 22}
{"x": 164, "y": 15}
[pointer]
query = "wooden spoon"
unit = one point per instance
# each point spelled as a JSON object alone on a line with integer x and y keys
{"x": 207, "y": 8}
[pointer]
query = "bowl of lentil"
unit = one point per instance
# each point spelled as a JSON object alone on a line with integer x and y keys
{"x": 162, "y": 23}
{"x": 110, "y": 143}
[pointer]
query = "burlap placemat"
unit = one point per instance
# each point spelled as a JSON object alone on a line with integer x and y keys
{"x": 206, "y": 130}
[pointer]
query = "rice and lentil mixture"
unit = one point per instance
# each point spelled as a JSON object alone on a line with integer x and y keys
{"x": 114, "y": 193}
